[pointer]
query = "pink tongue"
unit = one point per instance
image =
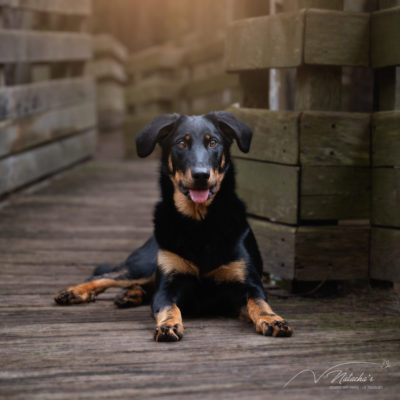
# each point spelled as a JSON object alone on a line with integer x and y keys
{"x": 199, "y": 196}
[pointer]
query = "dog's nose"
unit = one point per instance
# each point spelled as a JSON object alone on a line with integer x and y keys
{"x": 200, "y": 174}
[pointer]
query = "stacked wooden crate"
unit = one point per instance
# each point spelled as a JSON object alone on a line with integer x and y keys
{"x": 306, "y": 180}
{"x": 385, "y": 58}
{"x": 47, "y": 106}
{"x": 108, "y": 68}
{"x": 207, "y": 85}
{"x": 153, "y": 88}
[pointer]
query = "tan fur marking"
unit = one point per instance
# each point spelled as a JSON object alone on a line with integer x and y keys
{"x": 223, "y": 161}
{"x": 170, "y": 165}
{"x": 187, "y": 137}
{"x": 171, "y": 263}
{"x": 232, "y": 272}
{"x": 197, "y": 211}
{"x": 86, "y": 292}
{"x": 169, "y": 324}
{"x": 208, "y": 137}
{"x": 263, "y": 317}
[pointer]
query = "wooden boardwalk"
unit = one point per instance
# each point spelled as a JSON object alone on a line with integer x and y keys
{"x": 98, "y": 213}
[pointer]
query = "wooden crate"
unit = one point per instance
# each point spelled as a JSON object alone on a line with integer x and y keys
{"x": 153, "y": 88}
{"x": 47, "y": 105}
{"x": 207, "y": 85}
{"x": 306, "y": 180}
{"x": 108, "y": 68}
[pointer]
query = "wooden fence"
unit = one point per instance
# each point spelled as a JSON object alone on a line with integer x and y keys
{"x": 306, "y": 180}
{"x": 108, "y": 68}
{"x": 47, "y": 106}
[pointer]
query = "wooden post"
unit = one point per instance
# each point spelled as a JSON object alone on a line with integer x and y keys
{"x": 254, "y": 88}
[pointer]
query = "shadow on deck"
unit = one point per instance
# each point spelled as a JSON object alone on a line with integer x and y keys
{"x": 98, "y": 213}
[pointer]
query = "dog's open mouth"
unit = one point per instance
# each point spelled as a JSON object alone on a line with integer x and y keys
{"x": 198, "y": 195}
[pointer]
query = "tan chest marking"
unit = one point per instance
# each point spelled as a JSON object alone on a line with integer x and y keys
{"x": 235, "y": 271}
{"x": 171, "y": 263}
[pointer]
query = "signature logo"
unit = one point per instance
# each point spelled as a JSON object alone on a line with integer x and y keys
{"x": 340, "y": 374}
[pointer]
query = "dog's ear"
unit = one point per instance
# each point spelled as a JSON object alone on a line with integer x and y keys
{"x": 233, "y": 128}
{"x": 158, "y": 128}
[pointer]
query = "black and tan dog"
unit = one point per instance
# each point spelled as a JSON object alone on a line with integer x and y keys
{"x": 203, "y": 257}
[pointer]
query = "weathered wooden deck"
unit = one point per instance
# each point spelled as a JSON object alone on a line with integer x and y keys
{"x": 98, "y": 213}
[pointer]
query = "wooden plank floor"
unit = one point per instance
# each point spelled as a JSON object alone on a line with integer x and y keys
{"x": 98, "y": 213}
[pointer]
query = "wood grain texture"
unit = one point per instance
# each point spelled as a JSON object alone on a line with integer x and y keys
{"x": 25, "y": 100}
{"x": 313, "y": 253}
{"x": 386, "y": 139}
{"x": 33, "y": 46}
{"x": 275, "y": 135}
{"x": 28, "y": 132}
{"x": 96, "y": 351}
{"x": 269, "y": 190}
{"x": 265, "y": 42}
{"x": 21, "y": 169}
{"x": 385, "y": 254}
{"x": 335, "y": 193}
{"x": 386, "y": 196}
{"x": 385, "y": 33}
{"x": 305, "y": 37}
{"x": 329, "y": 138}
{"x": 336, "y": 38}
{"x": 69, "y": 7}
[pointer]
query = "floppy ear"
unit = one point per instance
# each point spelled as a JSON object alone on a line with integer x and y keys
{"x": 234, "y": 128}
{"x": 158, "y": 127}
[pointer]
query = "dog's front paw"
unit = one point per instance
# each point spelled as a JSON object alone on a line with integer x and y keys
{"x": 168, "y": 333}
{"x": 72, "y": 295}
{"x": 276, "y": 327}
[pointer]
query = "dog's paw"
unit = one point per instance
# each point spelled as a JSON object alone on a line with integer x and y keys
{"x": 74, "y": 296}
{"x": 274, "y": 327}
{"x": 168, "y": 333}
{"x": 125, "y": 301}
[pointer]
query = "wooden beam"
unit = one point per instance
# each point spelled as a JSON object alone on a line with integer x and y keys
{"x": 69, "y": 7}
{"x": 265, "y": 42}
{"x": 335, "y": 138}
{"x": 385, "y": 36}
{"x": 275, "y": 135}
{"x": 269, "y": 190}
{"x": 106, "y": 69}
{"x": 106, "y": 45}
{"x": 22, "y": 134}
{"x": 386, "y": 139}
{"x": 313, "y": 253}
{"x": 20, "y": 169}
{"x": 387, "y": 82}
{"x": 334, "y": 193}
{"x": 386, "y": 197}
{"x": 24, "y": 100}
{"x": 306, "y": 37}
{"x": 254, "y": 88}
{"x": 210, "y": 84}
{"x": 33, "y": 46}
{"x": 318, "y": 88}
{"x": 385, "y": 254}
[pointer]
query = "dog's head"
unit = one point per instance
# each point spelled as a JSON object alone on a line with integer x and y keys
{"x": 196, "y": 151}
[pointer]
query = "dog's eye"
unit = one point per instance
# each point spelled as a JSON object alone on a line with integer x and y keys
{"x": 212, "y": 143}
{"x": 181, "y": 144}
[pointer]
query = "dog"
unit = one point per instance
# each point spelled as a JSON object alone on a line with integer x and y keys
{"x": 203, "y": 257}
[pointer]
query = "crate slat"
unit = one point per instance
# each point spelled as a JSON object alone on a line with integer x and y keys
{"x": 106, "y": 69}
{"x": 25, "y": 133}
{"x": 21, "y": 169}
{"x": 385, "y": 37}
{"x": 24, "y": 100}
{"x": 309, "y": 37}
{"x": 386, "y": 139}
{"x": 313, "y": 253}
{"x": 106, "y": 45}
{"x": 69, "y": 7}
{"x": 32, "y": 46}
{"x": 386, "y": 197}
{"x": 385, "y": 254}
{"x": 210, "y": 84}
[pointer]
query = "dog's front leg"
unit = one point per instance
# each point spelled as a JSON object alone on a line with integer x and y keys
{"x": 169, "y": 326}
{"x": 266, "y": 321}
